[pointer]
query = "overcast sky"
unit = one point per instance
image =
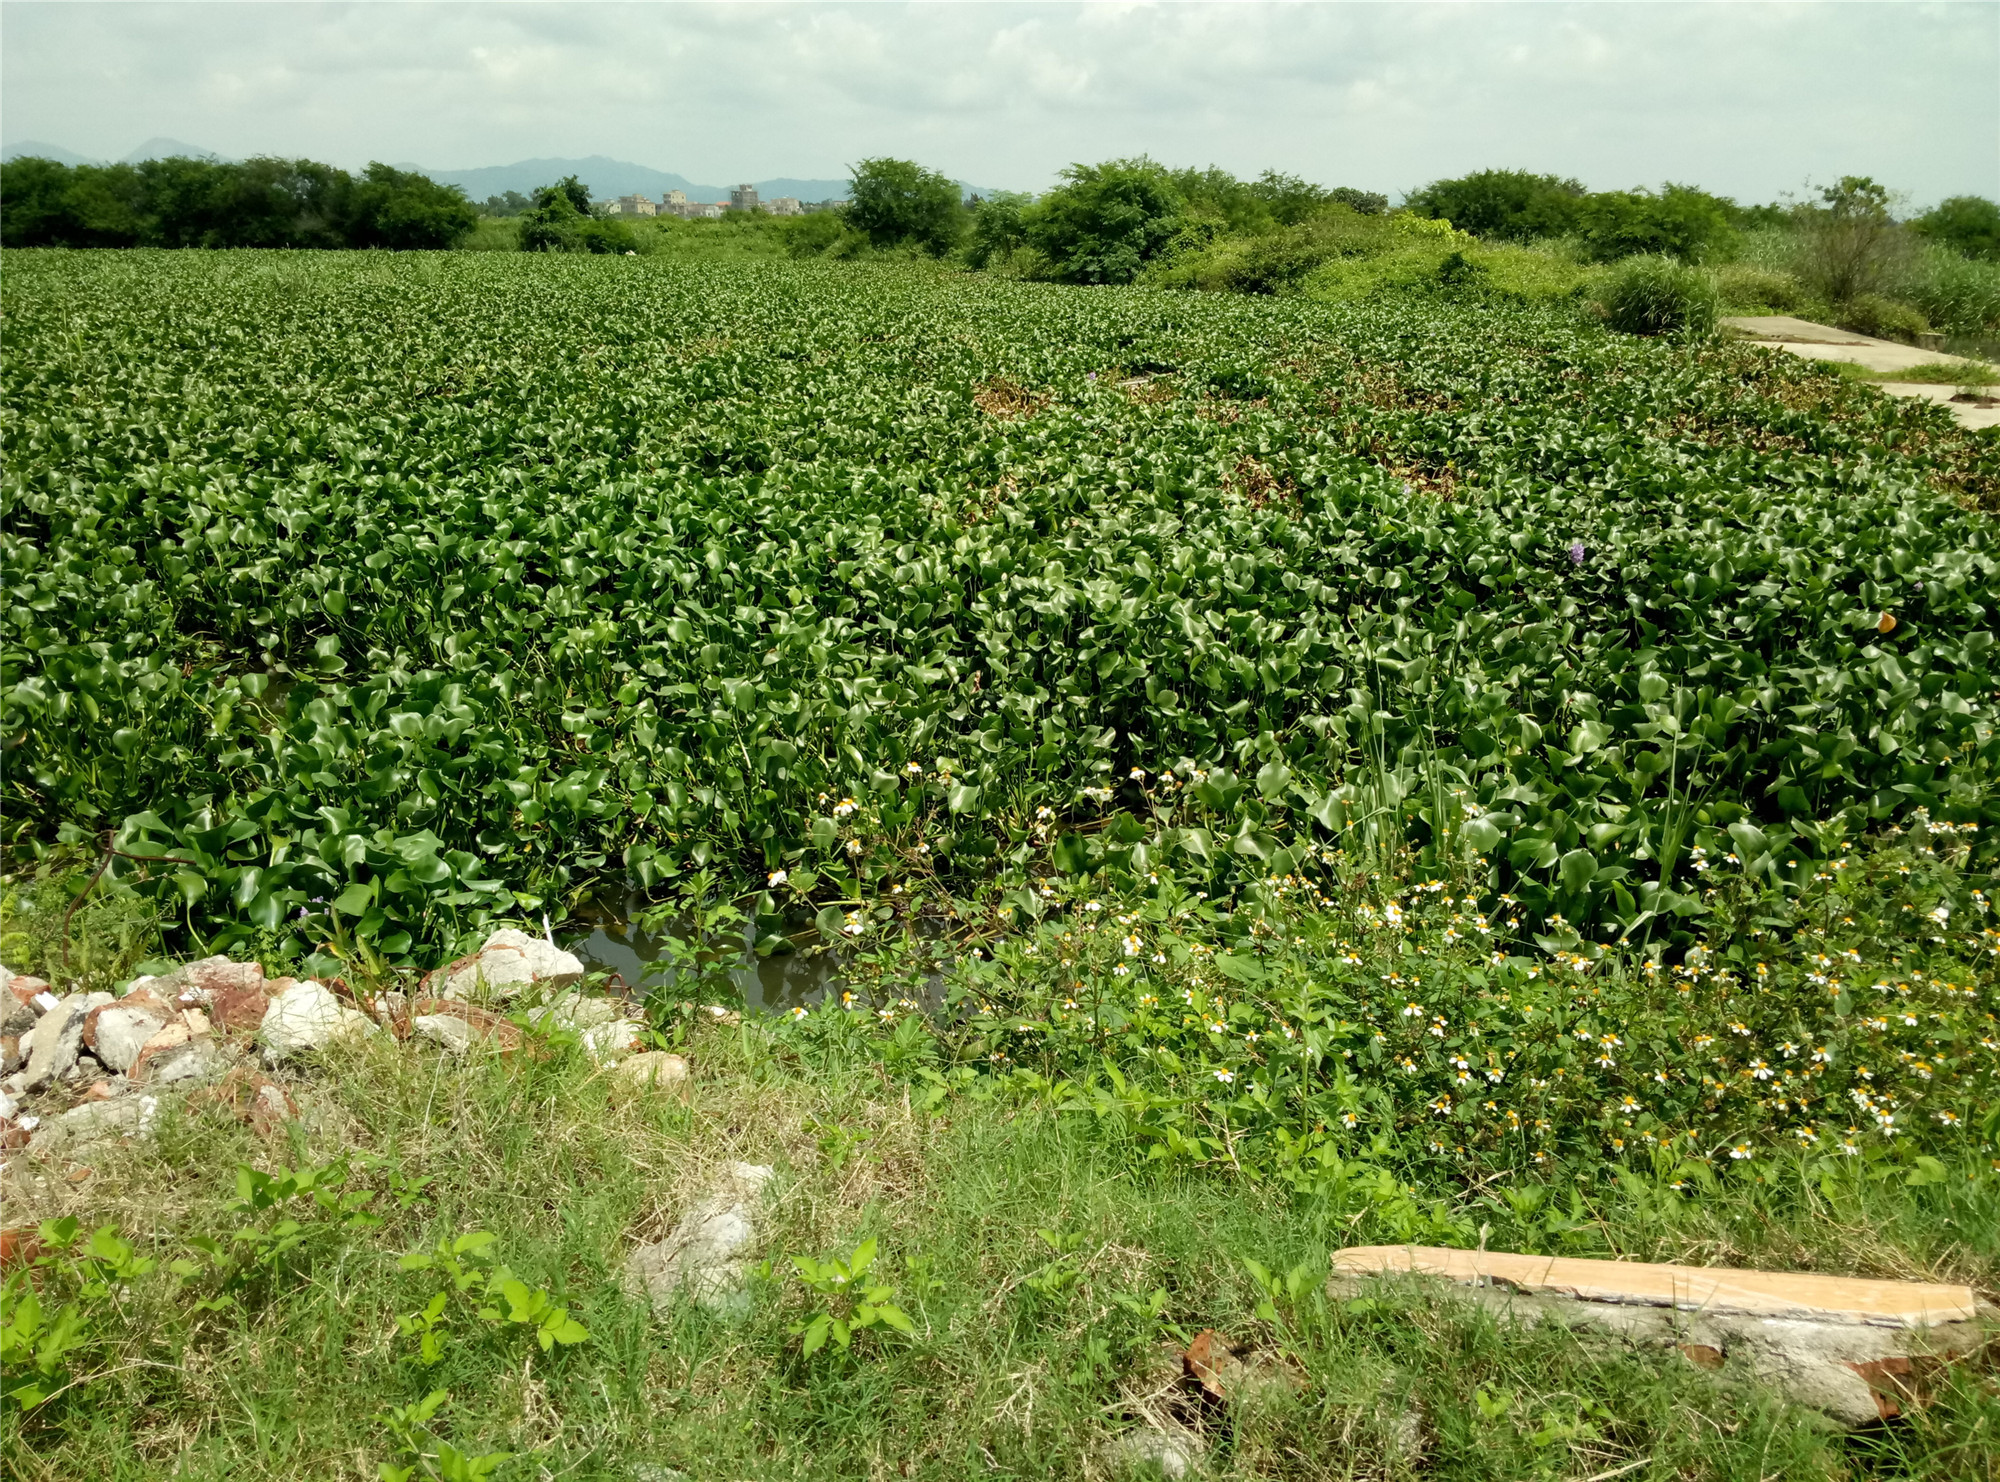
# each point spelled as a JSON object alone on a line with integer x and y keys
{"x": 1749, "y": 99}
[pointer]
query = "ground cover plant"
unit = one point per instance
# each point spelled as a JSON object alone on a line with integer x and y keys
{"x": 1286, "y": 774}
{"x": 364, "y": 604}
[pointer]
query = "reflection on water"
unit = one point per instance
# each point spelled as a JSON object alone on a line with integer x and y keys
{"x": 768, "y": 984}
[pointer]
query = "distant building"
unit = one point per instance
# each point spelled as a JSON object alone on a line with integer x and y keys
{"x": 673, "y": 200}
{"x": 784, "y": 206}
{"x": 810, "y": 207}
{"x": 743, "y": 198}
{"x": 706, "y": 210}
{"x": 634, "y": 205}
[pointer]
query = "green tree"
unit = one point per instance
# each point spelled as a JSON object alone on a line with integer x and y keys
{"x": 1508, "y": 205}
{"x": 557, "y": 218}
{"x": 892, "y": 202}
{"x": 1679, "y": 221}
{"x": 999, "y": 227}
{"x": 35, "y": 204}
{"x": 1106, "y": 222}
{"x": 407, "y": 211}
{"x": 1968, "y": 224}
{"x": 1849, "y": 244}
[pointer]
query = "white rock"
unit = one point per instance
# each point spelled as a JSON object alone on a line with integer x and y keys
{"x": 706, "y": 1256}
{"x": 95, "y": 1120}
{"x": 607, "y": 1044}
{"x": 575, "y": 1011}
{"x": 306, "y": 1016}
{"x": 197, "y": 1061}
{"x": 443, "y": 1030}
{"x": 653, "y": 1068}
{"x": 53, "y": 1048}
{"x": 1144, "y": 1451}
{"x": 510, "y": 961}
{"x": 122, "y": 1033}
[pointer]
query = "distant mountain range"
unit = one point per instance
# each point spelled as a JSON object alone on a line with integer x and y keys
{"x": 605, "y": 176}
{"x": 157, "y": 148}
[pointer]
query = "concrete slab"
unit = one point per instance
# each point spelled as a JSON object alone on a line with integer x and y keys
{"x": 1801, "y": 337}
{"x": 1969, "y": 414}
{"x": 1688, "y": 1288}
{"x": 1785, "y": 327}
{"x": 1856, "y": 1351}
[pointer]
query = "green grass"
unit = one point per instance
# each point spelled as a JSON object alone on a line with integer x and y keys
{"x": 1053, "y": 1261}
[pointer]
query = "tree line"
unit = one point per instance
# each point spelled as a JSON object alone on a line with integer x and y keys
{"x": 265, "y": 202}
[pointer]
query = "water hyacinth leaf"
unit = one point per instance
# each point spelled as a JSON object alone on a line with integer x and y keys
{"x": 1576, "y": 870}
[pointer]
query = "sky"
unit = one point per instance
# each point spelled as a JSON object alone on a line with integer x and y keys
{"x": 1752, "y": 100}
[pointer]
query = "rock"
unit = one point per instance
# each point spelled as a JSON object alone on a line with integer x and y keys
{"x": 307, "y": 1017}
{"x": 129, "y": 1116}
{"x": 53, "y": 1048}
{"x": 195, "y": 1061}
{"x": 652, "y": 1471}
{"x": 240, "y": 1010}
{"x": 17, "y": 1015}
{"x": 1242, "y": 1375}
{"x": 653, "y": 1068}
{"x": 214, "y": 975}
{"x": 575, "y": 1011}
{"x": 706, "y": 1256}
{"x": 1151, "y": 1452}
{"x": 117, "y": 1032}
{"x": 10, "y": 1053}
{"x": 607, "y": 1044}
{"x": 253, "y": 1099}
{"x": 509, "y": 962}
{"x": 28, "y": 991}
{"x": 1837, "y": 1344}
{"x": 446, "y": 1031}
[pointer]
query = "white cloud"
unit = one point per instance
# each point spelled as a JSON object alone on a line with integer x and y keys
{"x": 1746, "y": 98}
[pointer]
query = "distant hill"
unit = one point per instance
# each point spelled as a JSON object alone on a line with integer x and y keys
{"x": 157, "y": 148}
{"x": 605, "y": 176}
{"x": 608, "y": 177}
{"x": 36, "y": 149}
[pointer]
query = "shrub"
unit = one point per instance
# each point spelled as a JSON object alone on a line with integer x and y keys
{"x": 998, "y": 230}
{"x": 1658, "y": 295}
{"x": 1849, "y": 245}
{"x": 1105, "y": 222}
{"x": 559, "y": 220}
{"x": 1743, "y": 288}
{"x": 894, "y": 202}
{"x": 1871, "y": 313}
{"x": 1510, "y": 205}
{"x": 1959, "y": 295}
{"x": 1967, "y": 224}
{"x": 1680, "y": 222}
{"x": 402, "y": 209}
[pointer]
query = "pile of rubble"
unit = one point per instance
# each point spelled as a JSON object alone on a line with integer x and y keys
{"x": 86, "y": 1065}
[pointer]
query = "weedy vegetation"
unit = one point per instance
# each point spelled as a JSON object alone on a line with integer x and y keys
{"x": 1281, "y": 772}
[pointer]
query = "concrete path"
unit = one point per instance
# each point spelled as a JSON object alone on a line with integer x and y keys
{"x": 1812, "y": 341}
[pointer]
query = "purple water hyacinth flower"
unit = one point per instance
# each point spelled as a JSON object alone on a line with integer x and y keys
{"x": 1577, "y": 552}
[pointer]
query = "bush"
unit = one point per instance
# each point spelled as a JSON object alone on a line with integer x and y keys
{"x": 1509, "y": 205}
{"x": 1105, "y": 222}
{"x": 1849, "y": 245}
{"x": 1871, "y": 313}
{"x": 404, "y": 210}
{"x": 998, "y": 228}
{"x": 894, "y": 202}
{"x": 1656, "y": 296}
{"x": 559, "y": 220}
{"x": 264, "y": 202}
{"x": 1966, "y": 224}
{"x": 1680, "y": 222}
{"x": 1744, "y": 289}
{"x": 1959, "y": 295}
